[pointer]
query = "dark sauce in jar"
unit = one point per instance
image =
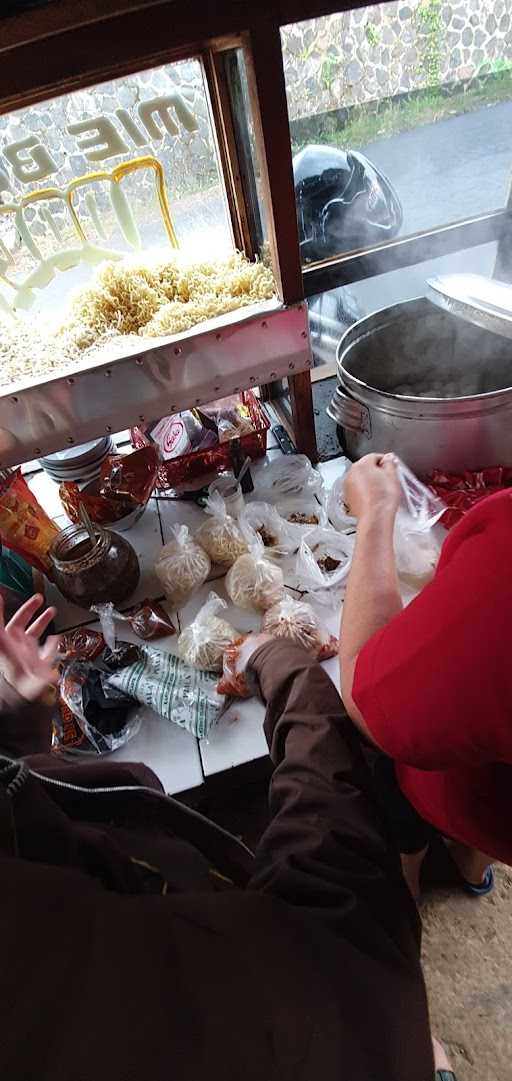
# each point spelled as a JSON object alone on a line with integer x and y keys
{"x": 87, "y": 574}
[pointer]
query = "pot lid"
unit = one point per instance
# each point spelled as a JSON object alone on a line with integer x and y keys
{"x": 482, "y": 301}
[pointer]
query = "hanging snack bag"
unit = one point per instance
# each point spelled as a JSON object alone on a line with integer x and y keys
{"x": 182, "y": 566}
{"x": 203, "y": 643}
{"x": 220, "y": 536}
{"x": 296, "y": 620}
{"x": 254, "y": 581}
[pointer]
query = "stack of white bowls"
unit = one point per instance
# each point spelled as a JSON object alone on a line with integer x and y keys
{"x": 81, "y": 464}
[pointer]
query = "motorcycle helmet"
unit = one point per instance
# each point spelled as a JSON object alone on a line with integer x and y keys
{"x": 343, "y": 202}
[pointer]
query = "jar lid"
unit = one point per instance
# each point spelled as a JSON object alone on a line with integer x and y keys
{"x": 479, "y": 300}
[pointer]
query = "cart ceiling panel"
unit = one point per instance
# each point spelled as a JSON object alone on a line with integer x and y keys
{"x": 233, "y": 353}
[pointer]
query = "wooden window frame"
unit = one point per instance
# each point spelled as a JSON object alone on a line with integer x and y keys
{"x": 71, "y": 44}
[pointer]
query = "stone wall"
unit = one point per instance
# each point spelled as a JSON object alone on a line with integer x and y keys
{"x": 339, "y": 61}
{"x": 331, "y": 64}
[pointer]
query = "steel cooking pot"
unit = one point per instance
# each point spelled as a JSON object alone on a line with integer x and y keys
{"x": 427, "y": 385}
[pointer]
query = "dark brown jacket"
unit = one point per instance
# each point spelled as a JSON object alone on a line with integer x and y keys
{"x": 128, "y": 955}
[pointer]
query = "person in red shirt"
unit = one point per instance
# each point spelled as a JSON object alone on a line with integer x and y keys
{"x": 430, "y": 685}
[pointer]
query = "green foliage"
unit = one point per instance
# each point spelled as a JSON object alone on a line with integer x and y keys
{"x": 495, "y": 67}
{"x": 407, "y": 113}
{"x": 428, "y": 16}
{"x": 328, "y": 69}
{"x": 372, "y": 35}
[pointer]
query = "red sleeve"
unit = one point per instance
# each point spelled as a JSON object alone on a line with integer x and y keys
{"x": 435, "y": 685}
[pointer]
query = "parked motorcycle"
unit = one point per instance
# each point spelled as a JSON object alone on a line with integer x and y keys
{"x": 343, "y": 203}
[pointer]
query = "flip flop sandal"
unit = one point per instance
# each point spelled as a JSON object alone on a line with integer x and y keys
{"x": 445, "y": 1075}
{"x": 486, "y": 887}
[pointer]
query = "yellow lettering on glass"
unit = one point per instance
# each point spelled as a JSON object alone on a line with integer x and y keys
{"x": 84, "y": 252}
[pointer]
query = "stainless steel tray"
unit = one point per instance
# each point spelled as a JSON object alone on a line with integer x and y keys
{"x": 224, "y": 355}
{"x": 485, "y": 302}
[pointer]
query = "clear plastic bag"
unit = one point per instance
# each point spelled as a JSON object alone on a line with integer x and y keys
{"x": 92, "y": 717}
{"x": 323, "y": 562}
{"x": 301, "y": 514}
{"x": 147, "y": 619}
{"x": 337, "y": 512}
{"x": 417, "y": 547}
{"x": 220, "y": 536}
{"x": 417, "y": 551}
{"x": 422, "y": 505}
{"x": 233, "y": 683}
{"x": 296, "y": 620}
{"x": 182, "y": 566}
{"x": 254, "y": 581}
{"x": 172, "y": 689}
{"x": 289, "y": 475}
{"x": 274, "y": 531}
{"x": 203, "y": 643}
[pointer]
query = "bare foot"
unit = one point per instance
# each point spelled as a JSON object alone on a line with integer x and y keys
{"x": 411, "y": 868}
{"x": 441, "y": 1060}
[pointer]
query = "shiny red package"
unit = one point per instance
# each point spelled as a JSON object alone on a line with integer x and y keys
{"x": 130, "y": 477}
{"x": 149, "y": 620}
{"x": 82, "y": 643}
{"x": 101, "y": 510}
{"x": 232, "y": 683}
{"x": 461, "y": 491}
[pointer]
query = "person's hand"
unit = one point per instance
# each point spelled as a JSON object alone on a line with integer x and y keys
{"x": 249, "y": 646}
{"x": 26, "y": 665}
{"x": 372, "y": 486}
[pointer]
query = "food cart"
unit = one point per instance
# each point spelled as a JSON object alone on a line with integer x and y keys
{"x": 106, "y": 111}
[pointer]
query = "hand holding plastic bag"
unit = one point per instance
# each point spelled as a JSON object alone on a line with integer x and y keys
{"x": 296, "y": 620}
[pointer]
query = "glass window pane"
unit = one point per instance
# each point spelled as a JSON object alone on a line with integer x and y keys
{"x": 400, "y": 116}
{"x": 123, "y": 166}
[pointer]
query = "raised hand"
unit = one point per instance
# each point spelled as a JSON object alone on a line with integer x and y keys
{"x": 25, "y": 664}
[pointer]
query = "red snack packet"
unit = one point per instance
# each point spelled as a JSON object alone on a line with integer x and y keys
{"x": 461, "y": 491}
{"x": 232, "y": 683}
{"x": 130, "y": 477}
{"x": 101, "y": 510}
{"x": 81, "y": 643}
{"x": 149, "y": 620}
{"x": 24, "y": 525}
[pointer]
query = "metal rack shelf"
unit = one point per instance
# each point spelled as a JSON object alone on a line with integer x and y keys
{"x": 231, "y": 353}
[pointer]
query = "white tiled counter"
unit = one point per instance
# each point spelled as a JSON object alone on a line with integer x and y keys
{"x": 178, "y": 758}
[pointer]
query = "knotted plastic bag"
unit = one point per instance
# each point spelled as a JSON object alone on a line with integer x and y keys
{"x": 220, "y": 536}
{"x": 296, "y": 620}
{"x": 254, "y": 581}
{"x": 182, "y": 566}
{"x": 203, "y": 643}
